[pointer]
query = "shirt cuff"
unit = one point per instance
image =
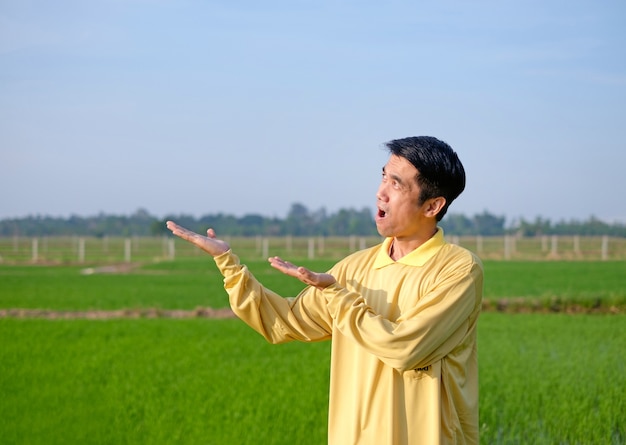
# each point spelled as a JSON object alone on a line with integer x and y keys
{"x": 228, "y": 263}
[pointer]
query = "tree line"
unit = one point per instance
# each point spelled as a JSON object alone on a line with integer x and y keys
{"x": 300, "y": 221}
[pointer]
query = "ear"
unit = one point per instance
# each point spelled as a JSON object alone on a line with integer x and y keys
{"x": 434, "y": 206}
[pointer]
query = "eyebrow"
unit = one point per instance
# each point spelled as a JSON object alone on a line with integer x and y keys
{"x": 396, "y": 178}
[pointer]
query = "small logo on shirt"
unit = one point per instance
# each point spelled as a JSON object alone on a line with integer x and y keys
{"x": 425, "y": 368}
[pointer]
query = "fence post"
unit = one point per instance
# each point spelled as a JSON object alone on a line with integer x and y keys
{"x": 362, "y": 243}
{"x": 127, "y": 248}
{"x": 352, "y": 243}
{"x": 265, "y": 248}
{"x": 479, "y": 244}
{"x": 605, "y": 248}
{"x": 81, "y": 250}
{"x": 311, "y": 248}
{"x": 555, "y": 243}
{"x": 576, "y": 245}
{"x": 35, "y": 250}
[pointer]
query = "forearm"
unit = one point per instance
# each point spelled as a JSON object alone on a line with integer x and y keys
{"x": 422, "y": 334}
{"x": 276, "y": 318}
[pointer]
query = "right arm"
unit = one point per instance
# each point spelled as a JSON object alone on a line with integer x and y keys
{"x": 278, "y": 319}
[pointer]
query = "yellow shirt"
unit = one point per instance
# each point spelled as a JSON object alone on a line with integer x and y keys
{"x": 404, "y": 366}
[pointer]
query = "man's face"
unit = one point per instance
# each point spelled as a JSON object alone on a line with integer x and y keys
{"x": 399, "y": 214}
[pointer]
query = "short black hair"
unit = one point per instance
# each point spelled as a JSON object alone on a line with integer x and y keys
{"x": 440, "y": 172}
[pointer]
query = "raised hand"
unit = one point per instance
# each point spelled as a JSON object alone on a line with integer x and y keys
{"x": 209, "y": 243}
{"x": 319, "y": 280}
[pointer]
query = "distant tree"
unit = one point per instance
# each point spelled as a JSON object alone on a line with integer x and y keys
{"x": 457, "y": 224}
{"x": 488, "y": 225}
{"x": 299, "y": 222}
{"x": 158, "y": 228}
{"x": 251, "y": 225}
{"x": 538, "y": 227}
{"x": 351, "y": 222}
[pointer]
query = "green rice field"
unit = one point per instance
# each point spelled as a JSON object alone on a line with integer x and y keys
{"x": 548, "y": 375}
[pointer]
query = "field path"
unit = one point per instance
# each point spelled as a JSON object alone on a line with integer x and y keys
{"x": 503, "y": 305}
{"x": 121, "y": 313}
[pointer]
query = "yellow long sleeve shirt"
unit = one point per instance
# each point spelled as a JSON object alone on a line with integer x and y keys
{"x": 404, "y": 366}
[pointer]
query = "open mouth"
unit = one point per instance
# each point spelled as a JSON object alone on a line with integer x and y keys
{"x": 381, "y": 213}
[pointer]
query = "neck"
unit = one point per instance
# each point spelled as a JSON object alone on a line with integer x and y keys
{"x": 402, "y": 246}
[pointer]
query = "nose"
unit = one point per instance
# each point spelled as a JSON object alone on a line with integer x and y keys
{"x": 381, "y": 194}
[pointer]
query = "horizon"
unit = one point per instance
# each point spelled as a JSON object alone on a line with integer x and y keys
{"x": 508, "y": 221}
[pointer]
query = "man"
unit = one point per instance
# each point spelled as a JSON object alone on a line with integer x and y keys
{"x": 401, "y": 315}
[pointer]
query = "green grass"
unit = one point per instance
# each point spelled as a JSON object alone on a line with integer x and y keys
{"x": 157, "y": 382}
{"x": 548, "y": 379}
{"x": 584, "y": 280}
{"x": 190, "y": 283}
{"x": 174, "y": 285}
{"x": 66, "y": 288}
{"x": 544, "y": 379}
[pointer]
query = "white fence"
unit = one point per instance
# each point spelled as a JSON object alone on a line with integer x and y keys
{"x": 86, "y": 250}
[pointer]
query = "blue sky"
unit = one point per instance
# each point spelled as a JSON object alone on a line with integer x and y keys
{"x": 201, "y": 107}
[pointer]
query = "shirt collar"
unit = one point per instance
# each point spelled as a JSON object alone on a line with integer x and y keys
{"x": 418, "y": 257}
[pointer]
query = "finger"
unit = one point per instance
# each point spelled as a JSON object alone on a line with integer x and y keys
{"x": 277, "y": 263}
{"x": 287, "y": 269}
{"x": 182, "y": 232}
{"x": 175, "y": 228}
{"x": 275, "y": 260}
{"x": 185, "y": 234}
{"x": 283, "y": 265}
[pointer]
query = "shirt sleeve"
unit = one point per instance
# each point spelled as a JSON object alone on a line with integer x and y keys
{"x": 428, "y": 332}
{"x": 277, "y": 319}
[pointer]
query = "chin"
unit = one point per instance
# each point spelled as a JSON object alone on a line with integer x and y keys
{"x": 382, "y": 231}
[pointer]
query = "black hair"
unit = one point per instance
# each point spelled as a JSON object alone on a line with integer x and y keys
{"x": 439, "y": 169}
